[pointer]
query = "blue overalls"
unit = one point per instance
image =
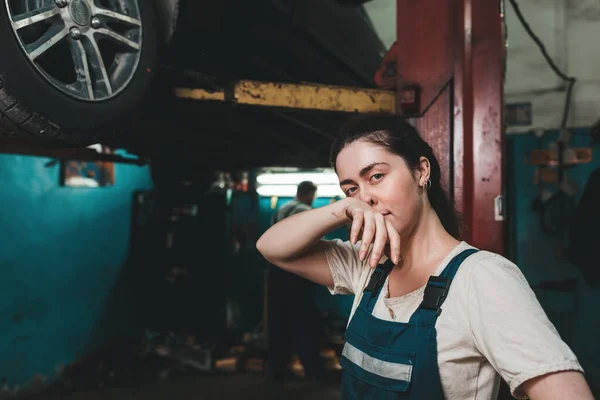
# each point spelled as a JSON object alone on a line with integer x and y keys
{"x": 392, "y": 360}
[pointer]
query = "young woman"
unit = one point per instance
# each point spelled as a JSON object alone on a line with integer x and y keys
{"x": 403, "y": 254}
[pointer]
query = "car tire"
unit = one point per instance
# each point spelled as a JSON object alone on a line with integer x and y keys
{"x": 33, "y": 108}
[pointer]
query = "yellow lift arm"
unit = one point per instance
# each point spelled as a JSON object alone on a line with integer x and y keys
{"x": 308, "y": 96}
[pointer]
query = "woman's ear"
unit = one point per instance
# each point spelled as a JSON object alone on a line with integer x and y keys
{"x": 424, "y": 171}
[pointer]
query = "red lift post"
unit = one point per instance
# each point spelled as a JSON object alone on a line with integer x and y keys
{"x": 447, "y": 68}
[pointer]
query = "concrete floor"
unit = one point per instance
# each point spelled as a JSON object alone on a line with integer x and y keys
{"x": 222, "y": 388}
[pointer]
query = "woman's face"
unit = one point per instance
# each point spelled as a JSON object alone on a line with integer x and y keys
{"x": 374, "y": 175}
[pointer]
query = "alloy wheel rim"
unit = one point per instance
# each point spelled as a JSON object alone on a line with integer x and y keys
{"x": 103, "y": 38}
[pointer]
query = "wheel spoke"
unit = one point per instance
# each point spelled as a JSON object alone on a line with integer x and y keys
{"x": 117, "y": 16}
{"x": 96, "y": 64}
{"x": 133, "y": 46}
{"x": 80, "y": 61}
{"x": 44, "y": 43}
{"x": 23, "y": 20}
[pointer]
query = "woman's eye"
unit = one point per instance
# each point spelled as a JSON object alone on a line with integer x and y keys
{"x": 376, "y": 177}
{"x": 350, "y": 191}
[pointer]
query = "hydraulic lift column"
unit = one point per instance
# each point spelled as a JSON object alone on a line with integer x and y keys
{"x": 447, "y": 68}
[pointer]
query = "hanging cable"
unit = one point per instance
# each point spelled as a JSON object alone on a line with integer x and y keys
{"x": 569, "y": 79}
{"x": 560, "y": 198}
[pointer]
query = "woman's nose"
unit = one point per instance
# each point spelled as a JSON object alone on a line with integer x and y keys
{"x": 368, "y": 198}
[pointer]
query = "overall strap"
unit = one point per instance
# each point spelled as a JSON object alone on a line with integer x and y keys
{"x": 436, "y": 291}
{"x": 371, "y": 292}
{"x": 452, "y": 267}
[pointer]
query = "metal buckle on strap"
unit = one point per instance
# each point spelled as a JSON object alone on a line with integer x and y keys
{"x": 436, "y": 292}
{"x": 378, "y": 276}
{"x": 376, "y": 281}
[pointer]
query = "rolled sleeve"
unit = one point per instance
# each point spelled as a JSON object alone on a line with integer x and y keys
{"x": 511, "y": 329}
{"x": 346, "y": 269}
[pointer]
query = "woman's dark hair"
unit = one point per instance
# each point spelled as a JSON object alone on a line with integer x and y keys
{"x": 399, "y": 137}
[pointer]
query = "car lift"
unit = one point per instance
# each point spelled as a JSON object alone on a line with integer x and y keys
{"x": 446, "y": 70}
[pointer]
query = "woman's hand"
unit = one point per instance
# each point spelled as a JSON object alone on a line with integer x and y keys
{"x": 372, "y": 228}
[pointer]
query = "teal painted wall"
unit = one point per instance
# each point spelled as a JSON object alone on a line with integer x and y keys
{"x": 62, "y": 251}
{"x": 537, "y": 255}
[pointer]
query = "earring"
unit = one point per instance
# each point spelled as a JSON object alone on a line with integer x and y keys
{"x": 426, "y": 185}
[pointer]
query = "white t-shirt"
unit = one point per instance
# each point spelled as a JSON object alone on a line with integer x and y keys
{"x": 492, "y": 325}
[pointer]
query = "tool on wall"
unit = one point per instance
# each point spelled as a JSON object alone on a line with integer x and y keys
{"x": 556, "y": 205}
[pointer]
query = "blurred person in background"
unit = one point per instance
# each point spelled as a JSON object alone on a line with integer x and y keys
{"x": 294, "y": 322}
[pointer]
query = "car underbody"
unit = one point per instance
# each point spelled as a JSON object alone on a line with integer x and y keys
{"x": 123, "y": 95}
